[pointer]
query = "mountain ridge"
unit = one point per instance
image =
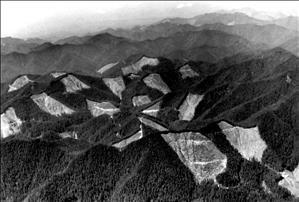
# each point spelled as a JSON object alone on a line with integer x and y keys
{"x": 93, "y": 51}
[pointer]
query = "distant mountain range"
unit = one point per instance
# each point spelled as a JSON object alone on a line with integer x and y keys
{"x": 292, "y": 45}
{"x": 291, "y": 22}
{"x": 9, "y": 45}
{"x": 210, "y": 18}
{"x": 102, "y": 49}
{"x": 272, "y": 35}
{"x": 209, "y": 43}
{"x": 167, "y": 27}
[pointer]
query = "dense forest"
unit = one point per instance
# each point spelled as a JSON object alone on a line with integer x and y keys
{"x": 72, "y": 157}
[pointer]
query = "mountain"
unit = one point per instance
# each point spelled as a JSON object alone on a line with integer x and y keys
{"x": 35, "y": 40}
{"x": 156, "y": 131}
{"x": 75, "y": 40}
{"x": 262, "y": 15}
{"x": 272, "y": 35}
{"x": 255, "y": 14}
{"x": 153, "y": 31}
{"x": 102, "y": 49}
{"x": 137, "y": 33}
{"x": 292, "y": 45}
{"x": 269, "y": 34}
{"x": 10, "y": 45}
{"x": 235, "y": 18}
{"x": 41, "y": 47}
{"x": 211, "y": 18}
{"x": 290, "y": 22}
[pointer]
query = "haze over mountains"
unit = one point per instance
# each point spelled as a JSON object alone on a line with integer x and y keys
{"x": 54, "y": 22}
{"x": 231, "y": 34}
{"x": 202, "y": 108}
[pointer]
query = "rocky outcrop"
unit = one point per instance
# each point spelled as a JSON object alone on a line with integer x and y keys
{"x": 10, "y": 123}
{"x": 155, "y": 81}
{"x": 291, "y": 181}
{"x": 187, "y": 109}
{"x": 57, "y": 74}
{"x": 140, "y": 100}
{"x": 152, "y": 124}
{"x": 116, "y": 85}
{"x": 137, "y": 67}
{"x": 152, "y": 110}
{"x": 246, "y": 140}
{"x": 107, "y": 67}
{"x": 98, "y": 109}
{"x": 122, "y": 144}
{"x": 186, "y": 71}
{"x": 50, "y": 105}
{"x": 72, "y": 84}
{"x": 19, "y": 83}
{"x": 198, "y": 153}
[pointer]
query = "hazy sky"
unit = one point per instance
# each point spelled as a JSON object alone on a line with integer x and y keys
{"x": 63, "y": 18}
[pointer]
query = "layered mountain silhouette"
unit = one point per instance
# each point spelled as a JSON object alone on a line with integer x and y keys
{"x": 163, "y": 28}
{"x": 157, "y": 30}
{"x": 9, "y": 45}
{"x": 271, "y": 35}
{"x": 75, "y": 40}
{"x": 103, "y": 49}
{"x": 210, "y": 18}
{"x": 292, "y": 45}
{"x": 290, "y": 22}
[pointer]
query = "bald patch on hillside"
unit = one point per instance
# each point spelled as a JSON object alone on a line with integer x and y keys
{"x": 246, "y": 140}
{"x": 48, "y": 104}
